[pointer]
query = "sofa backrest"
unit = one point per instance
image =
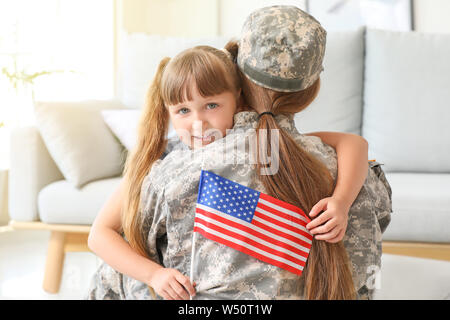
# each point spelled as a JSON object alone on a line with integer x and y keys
{"x": 407, "y": 100}
{"x": 338, "y": 106}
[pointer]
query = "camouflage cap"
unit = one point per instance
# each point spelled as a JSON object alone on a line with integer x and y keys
{"x": 282, "y": 48}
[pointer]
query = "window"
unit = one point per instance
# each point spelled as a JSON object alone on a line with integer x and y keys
{"x": 67, "y": 45}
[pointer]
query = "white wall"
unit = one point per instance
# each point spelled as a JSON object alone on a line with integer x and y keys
{"x": 432, "y": 16}
{"x": 180, "y": 18}
{"x": 195, "y": 18}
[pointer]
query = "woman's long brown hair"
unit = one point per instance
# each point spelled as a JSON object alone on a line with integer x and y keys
{"x": 301, "y": 180}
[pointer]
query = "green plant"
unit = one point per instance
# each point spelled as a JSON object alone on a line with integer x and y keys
{"x": 20, "y": 76}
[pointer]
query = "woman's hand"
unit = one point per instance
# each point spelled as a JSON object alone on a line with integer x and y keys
{"x": 171, "y": 284}
{"x": 331, "y": 224}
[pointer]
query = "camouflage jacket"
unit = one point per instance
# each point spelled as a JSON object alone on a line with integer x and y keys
{"x": 168, "y": 200}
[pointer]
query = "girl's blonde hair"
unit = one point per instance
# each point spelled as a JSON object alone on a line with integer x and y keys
{"x": 212, "y": 71}
{"x": 302, "y": 180}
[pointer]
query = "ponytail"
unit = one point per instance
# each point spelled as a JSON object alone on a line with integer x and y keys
{"x": 302, "y": 180}
{"x": 151, "y": 143}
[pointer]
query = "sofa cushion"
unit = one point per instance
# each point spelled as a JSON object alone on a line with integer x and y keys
{"x": 79, "y": 141}
{"x": 406, "y": 101}
{"x": 338, "y": 106}
{"x": 62, "y": 203}
{"x": 421, "y": 207}
{"x": 123, "y": 123}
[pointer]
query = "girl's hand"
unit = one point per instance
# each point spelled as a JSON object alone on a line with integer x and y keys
{"x": 171, "y": 284}
{"x": 332, "y": 223}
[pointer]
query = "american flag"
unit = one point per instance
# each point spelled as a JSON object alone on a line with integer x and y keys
{"x": 252, "y": 222}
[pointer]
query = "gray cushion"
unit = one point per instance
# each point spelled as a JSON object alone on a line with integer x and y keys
{"x": 421, "y": 207}
{"x": 62, "y": 203}
{"x": 407, "y": 99}
{"x": 339, "y": 102}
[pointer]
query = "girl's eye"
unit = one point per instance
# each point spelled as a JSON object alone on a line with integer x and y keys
{"x": 183, "y": 111}
{"x": 212, "y": 106}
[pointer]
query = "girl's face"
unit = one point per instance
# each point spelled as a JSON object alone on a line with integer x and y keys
{"x": 202, "y": 120}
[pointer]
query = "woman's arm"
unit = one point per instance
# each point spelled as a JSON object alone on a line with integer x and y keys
{"x": 352, "y": 156}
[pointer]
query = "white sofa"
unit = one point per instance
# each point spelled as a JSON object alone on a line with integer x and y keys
{"x": 390, "y": 87}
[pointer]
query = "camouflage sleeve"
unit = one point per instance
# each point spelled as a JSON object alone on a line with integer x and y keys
{"x": 154, "y": 213}
{"x": 368, "y": 217}
{"x": 109, "y": 284}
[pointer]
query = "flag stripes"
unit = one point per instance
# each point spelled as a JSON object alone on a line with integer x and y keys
{"x": 298, "y": 245}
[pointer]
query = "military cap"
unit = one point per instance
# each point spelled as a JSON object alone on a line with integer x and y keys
{"x": 282, "y": 48}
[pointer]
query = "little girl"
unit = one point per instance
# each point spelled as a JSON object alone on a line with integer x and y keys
{"x": 199, "y": 92}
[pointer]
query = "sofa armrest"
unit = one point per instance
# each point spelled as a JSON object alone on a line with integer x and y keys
{"x": 31, "y": 169}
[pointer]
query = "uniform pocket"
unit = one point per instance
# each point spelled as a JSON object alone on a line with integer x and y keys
{"x": 382, "y": 193}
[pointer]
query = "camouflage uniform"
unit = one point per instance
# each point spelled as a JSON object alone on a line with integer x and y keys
{"x": 282, "y": 48}
{"x": 169, "y": 195}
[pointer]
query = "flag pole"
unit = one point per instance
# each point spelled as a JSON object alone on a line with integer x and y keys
{"x": 191, "y": 276}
